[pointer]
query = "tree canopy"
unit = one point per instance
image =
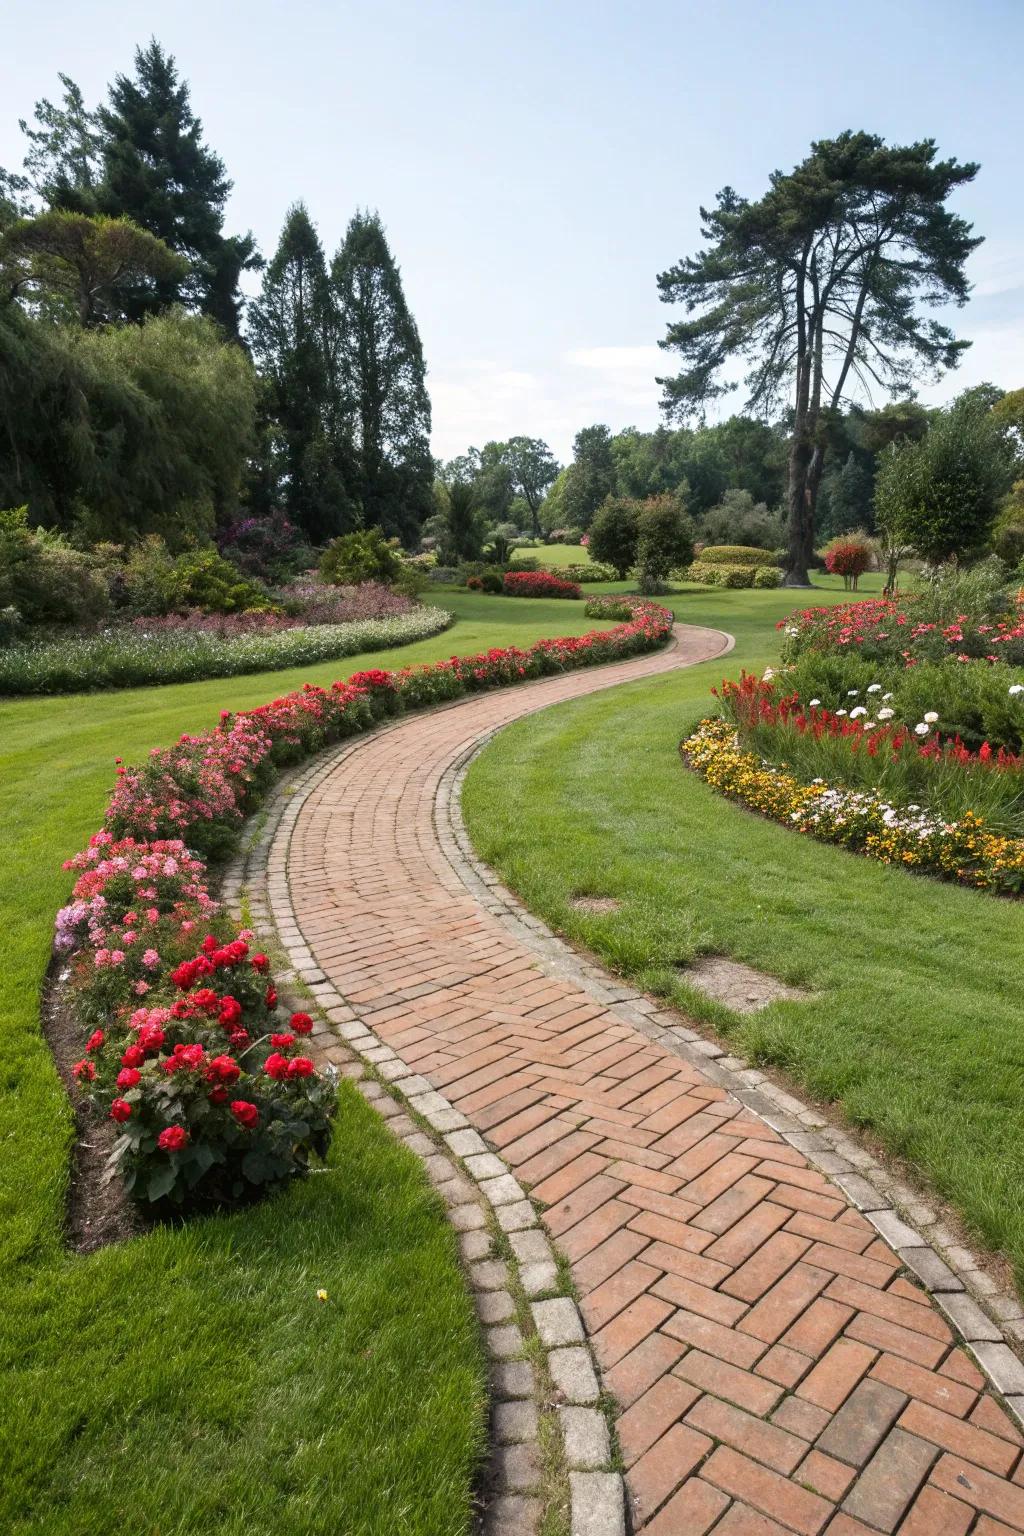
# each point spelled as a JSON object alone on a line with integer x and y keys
{"x": 821, "y": 286}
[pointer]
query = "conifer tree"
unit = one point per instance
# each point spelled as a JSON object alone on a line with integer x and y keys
{"x": 158, "y": 172}
{"x": 293, "y": 331}
{"x": 382, "y": 376}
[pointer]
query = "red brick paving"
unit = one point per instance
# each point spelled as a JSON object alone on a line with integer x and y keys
{"x": 774, "y": 1371}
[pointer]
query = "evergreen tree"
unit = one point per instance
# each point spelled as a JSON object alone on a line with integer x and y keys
{"x": 63, "y": 163}
{"x": 382, "y": 375}
{"x": 293, "y": 331}
{"x": 158, "y": 172}
{"x": 848, "y": 505}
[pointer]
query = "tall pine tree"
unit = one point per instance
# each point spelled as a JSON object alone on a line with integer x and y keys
{"x": 382, "y": 375}
{"x": 293, "y": 331}
{"x": 158, "y": 172}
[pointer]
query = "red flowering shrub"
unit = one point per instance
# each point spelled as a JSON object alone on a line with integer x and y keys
{"x": 848, "y": 557}
{"x": 538, "y": 584}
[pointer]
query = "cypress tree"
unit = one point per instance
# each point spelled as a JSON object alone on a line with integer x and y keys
{"x": 382, "y": 376}
{"x": 293, "y": 331}
{"x": 158, "y": 172}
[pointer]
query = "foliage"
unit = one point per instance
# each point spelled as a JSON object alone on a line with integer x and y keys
{"x": 1008, "y": 531}
{"x": 269, "y": 548}
{"x": 361, "y": 556}
{"x": 538, "y": 584}
{"x": 710, "y": 574}
{"x": 735, "y": 554}
{"x": 43, "y": 579}
{"x": 614, "y": 534}
{"x": 664, "y": 541}
{"x": 738, "y": 519}
{"x": 817, "y": 285}
{"x": 204, "y": 579}
{"x": 293, "y": 329}
{"x": 848, "y": 555}
{"x": 458, "y": 524}
{"x": 589, "y": 480}
{"x": 79, "y": 266}
{"x": 591, "y": 572}
{"x": 382, "y": 375}
{"x": 766, "y": 576}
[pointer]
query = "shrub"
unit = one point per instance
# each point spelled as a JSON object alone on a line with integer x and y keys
{"x": 310, "y": 601}
{"x": 492, "y": 581}
{"x": 590, "y": 572}
{"x": 664, "y": 541}
{"x": 721, "y": 575}
{"x": 538, "y": 584}
{"x": 735, "y": 554}
{"x": 524, "y": 563}
{"x": 614, "y": 533}
{"x": 475, "y": 583}
{"x": 848, "y": 555}
{"x": 361, "y": 556}
{"x": 767, "y": 576}
{"x": 204, "y": 579}
{"x": 44, "y": 579}
{"x": 269, "y": 548}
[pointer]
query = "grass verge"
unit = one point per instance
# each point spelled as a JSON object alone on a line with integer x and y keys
{"x": 914, "y": 1028}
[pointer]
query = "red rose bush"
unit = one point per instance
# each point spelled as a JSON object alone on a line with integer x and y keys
{"x": 538, "y": 584}
{"x": 187, "y": 1051}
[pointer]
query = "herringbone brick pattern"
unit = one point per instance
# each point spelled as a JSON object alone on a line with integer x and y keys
{"x": 775, "y": 1370}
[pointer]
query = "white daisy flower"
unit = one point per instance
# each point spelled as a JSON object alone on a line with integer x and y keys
{"x": 922, "y": 729}
{"x": 1015, "y": 689}
{"x": 814, "y": 703}
{"x": 875, "y": 688}
{"x": 930, "y": 717}
{"x": 855, "y": 714}
{"x": 885, "y": 714}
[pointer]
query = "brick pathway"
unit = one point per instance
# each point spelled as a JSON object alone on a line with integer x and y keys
{"x": 776, "y": 1370}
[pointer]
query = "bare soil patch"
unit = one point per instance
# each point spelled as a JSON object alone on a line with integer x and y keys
{"x": 739, "y": 986}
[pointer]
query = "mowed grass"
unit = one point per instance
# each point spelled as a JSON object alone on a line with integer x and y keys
{"x": 190, "y": 1381}
{"x": 914, "y": 1030}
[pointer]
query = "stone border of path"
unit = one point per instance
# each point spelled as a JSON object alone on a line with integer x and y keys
{"x": 520, "y": 1299}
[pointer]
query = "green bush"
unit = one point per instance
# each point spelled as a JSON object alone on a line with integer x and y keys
{"x": 614, "y": 533}
{"x": 204, "y": 579}
{"x": 728, "y": 575}
{"x": 735, "y": 554}
{"x": 44, "y": 578}
{"x": 361, "y": 556}
{"x": 767, "y": 576}
{"x": 590, "y": 572}
{"x": 491, "y": 581}
{"x": 737, "y": 575}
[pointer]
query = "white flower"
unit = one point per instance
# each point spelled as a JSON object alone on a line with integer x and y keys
{"x": 931, "y": 717}
{"x": 885, "y": 714}
{"x": 886, "y": 697}
{"x": 869, "y": 725}
{"x": 856, "y": 713}
{"x": 767, "y": 675}
{"x": 791, "y": 629}
{"x": 840, "y": 711}
{"x": 922, "y": 729}
{"x": 852, "y": 694}
{"x": 1015, "y": 689}
{"x": 875, "y": 688}
{"x": 814, "y": 703}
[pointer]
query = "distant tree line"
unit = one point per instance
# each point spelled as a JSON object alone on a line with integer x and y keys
{"x": 138, "y": 393}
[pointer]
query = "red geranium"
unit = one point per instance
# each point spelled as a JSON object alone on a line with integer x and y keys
{"x": 245, "y": 1113}
{"x": 85, "y": 1071}
{"x": 128, "y": 1077}
{"x": 96, "y": 1039}
{"x": 300, "y": 1066}
{"x": 223, "y": 1069}
{"x": 301, "y": 1023}
{"x": 120, "y": 1110}
{"x": 276, "y": 1066}
{"x": 173, "y": 1139}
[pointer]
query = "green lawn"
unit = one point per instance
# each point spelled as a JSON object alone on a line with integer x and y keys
{"x": 554, "y": 554}
{"x": 189, "y": 1381}
{"x": 915, "y": 1027}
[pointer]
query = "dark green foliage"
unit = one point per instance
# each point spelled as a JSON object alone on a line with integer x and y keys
{"x": 361, "y": 556}
{"x": 817, "y": 286}
{"x": 44, "y": 579}
{"x": 82, "y": 268}
{"x": 382, "y": 379}
{"x": 738, "y": 519}
{"x": 158, "y": 171}
{"x": 204, "y": 579}
{"x": 664, "y": 541}
{"x": 293, "y": 331}
{"x": 941, "y": 494}
{"x": 846, "y": 497}
{"x": 589, "y": 479}
{"x": 613, "y": 535}
{"x": 459, "y": 523}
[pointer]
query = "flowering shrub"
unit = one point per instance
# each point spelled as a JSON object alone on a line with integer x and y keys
{"x": 169, "y": 652}
{"x": 862, "y": 820}
{"x": 538, "y": 584}
{"x": 211, "y": 1091}
{"x": 848, "y": 556}
{"x": 887, "y": 629}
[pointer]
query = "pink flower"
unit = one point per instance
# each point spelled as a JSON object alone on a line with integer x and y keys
{"x": 150, "y": 958}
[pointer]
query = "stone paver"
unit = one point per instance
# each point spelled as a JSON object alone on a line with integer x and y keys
{"x": 775, "y": 1367}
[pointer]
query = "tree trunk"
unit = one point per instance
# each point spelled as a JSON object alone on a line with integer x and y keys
{"x": 806, "y": 465}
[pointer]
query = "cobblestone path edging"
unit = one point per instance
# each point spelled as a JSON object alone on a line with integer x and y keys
{"x": 739, "y": 1263}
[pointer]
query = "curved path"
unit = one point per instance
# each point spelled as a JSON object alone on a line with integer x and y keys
{"x": 774, "y": 1367}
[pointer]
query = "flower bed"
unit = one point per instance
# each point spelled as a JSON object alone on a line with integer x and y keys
{"x": 538, "y": 584}
{"x": 187, "y": 1054}
{"x": 862, "y": 820}
{"x": 172, "y": 652}
{"x": 888, "y": 630}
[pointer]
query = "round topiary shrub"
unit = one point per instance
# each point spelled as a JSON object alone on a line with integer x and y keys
{"x": 767, "y": 576}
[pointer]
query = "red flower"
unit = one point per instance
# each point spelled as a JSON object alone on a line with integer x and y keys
{"x": 128, "y": 1077}
{"x": 301, "y": 1023}
{"x": 151, "y": 1038}
{"x": 282, "y": 1042}
{"x": 218, "y": 1095}
{"x": 223, "y": 1069}
{"x": 246, "y": 1114}
{"x": 260, "y": 962}
{"x": 96, "y": 1039}
{"x": 271, "y": 997}
{"x": 134, "y": 1056}
{"x": 276, "y": 1066}
{"x": 300, "y": 1066}
{"x": 85, "y": 1070}
{"x": 230, "y": 1011}
{"x": 238, "y": 1037}
{"x": 120, "y": 1110}
{"x": 172, "y": 1139}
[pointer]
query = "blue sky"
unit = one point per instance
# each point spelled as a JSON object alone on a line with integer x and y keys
{"x": 536, "y": 164}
